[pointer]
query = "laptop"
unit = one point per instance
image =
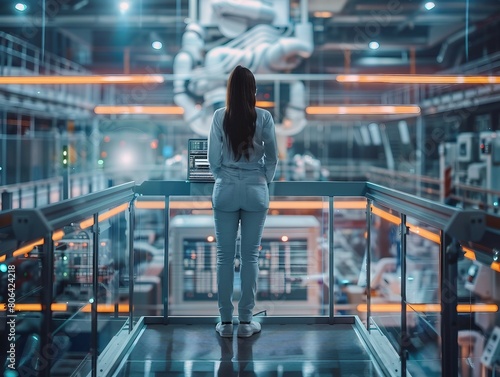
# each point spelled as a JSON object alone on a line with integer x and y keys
{"x": 198, "y": 169}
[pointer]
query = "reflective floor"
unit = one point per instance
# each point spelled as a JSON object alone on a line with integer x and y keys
{"x": 279, "y": 350}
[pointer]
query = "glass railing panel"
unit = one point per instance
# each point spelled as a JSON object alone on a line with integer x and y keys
{"x": 349, "y": 236}
{"x": 422, "y": 341}
{"x": 72, "y": 295}
{"x": 422, "y": 263}
{"x": 292, "y": 266}
{"x": 75, "y": 275}
{"x": 21, "y": 311}
{"x": 112, "y": 275}
{"x": 149, "y": 256}
{"x": 385, "y": 267}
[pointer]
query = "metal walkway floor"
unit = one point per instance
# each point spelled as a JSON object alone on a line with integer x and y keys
{"x": 316, "y": 350}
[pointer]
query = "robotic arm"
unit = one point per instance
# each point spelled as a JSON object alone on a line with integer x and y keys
{"x": 263, "y": 49}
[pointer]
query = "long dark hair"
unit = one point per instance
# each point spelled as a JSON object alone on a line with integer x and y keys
{"x": 240, "y": 117}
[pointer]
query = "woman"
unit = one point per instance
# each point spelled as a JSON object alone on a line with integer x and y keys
{"x": 243, "y": 156}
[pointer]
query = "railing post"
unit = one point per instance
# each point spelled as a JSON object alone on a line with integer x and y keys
{"x": 404, "y": 327}
{"x": 368, "y": 262}
{"x": 449, "y": 298}
{"x": 331, "y": 261}
{"x": 6, "y": 200}
{"x": 35, "y": 195}
{"x": 131, "y": 267}
{"x": 46, "y": 301}
{"x": 95, "y": 294}
{"x": 166, "y": 277}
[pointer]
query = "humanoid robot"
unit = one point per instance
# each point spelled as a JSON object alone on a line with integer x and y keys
{"x": 251, "y": 41}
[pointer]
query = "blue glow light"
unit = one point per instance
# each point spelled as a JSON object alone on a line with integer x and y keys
{"x": 21, "y": 7}
{"x": 429, "y": 5}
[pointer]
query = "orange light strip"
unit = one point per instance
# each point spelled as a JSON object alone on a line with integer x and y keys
{"x": 396, "y": 308}
{"x": 104, "y": 216}
{"x": 27, "y": 248}
{"x": 363, "y": 110}
{"x": 3, "y": 258}
{"x": 418, "y": 79}
{"x": 149, "y": 110}
{"x": 385, "y": 215}
{"x": 63, "y": 307}
{"x": 413, "y": 228}
{"x": 264, "y": 104}
{"x": 106, "y": 308}
{"x": 76, "y": 80}
{"x": 56, "y": 236}
{"x": 424, "y": 233}
{"x": 469, "y": 253}
{"x": 322, "y": 14}
{"x": 56, "y": 307}
{"x": 350, "y": 204}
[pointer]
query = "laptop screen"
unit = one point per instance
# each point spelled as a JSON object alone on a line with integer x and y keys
{"x": 198, "y": 169}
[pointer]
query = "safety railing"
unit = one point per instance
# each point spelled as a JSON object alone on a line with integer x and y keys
{"x": 46, "y": 191}
{"x": 331, "y": 252}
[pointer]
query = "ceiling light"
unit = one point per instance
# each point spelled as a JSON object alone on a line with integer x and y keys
{"x": 21, "y": 7}
{"x": 320, "y": 14}
{"x": 419, "y": 79}
{"x": 363, "y": 110}
{"x": 373, "y": 45}
{"x": 429, "y": 5}
{"x": 124, "y": 5}
{"x": 157, "y": 45}
{"x": 139, "y": 109}
{"x": 75, "y": 80}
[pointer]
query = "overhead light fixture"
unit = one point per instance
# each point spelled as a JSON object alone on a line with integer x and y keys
{"x": 363, "y": 110}
{"x": 374, "y": 45}
{"x": 21, "y": 7}
{"x": 124, "y": 6}
{"x": 322, "y": 14}
{"x": 145, "y": 110}
{"x": 419, "y": 79}
{"x": 76, "y": 80}
{"x": 157, "y": 45}
{"x": 429, "y": 5}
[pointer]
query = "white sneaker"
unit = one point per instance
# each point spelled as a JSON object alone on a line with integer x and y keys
{"x": 224, "y": 330}
{"x": 246, "y": 330}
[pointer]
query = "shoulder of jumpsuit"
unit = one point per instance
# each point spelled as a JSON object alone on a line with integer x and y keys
{"x": 219, "y": 113}
{"x": 263, "y": 112}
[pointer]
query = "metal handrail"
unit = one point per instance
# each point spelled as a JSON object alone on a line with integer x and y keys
{"x": 29, "y": 224}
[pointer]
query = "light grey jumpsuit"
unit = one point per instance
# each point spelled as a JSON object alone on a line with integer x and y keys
{"x": 240, "y": 194}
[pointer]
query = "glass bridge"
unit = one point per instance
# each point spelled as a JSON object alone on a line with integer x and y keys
{"x": 355, "y": 279}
